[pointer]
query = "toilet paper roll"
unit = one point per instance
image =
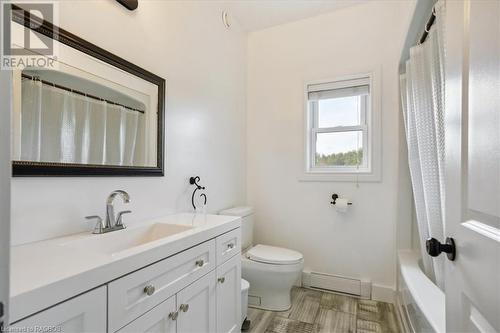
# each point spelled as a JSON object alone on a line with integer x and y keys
{"x": 341, "y": 205}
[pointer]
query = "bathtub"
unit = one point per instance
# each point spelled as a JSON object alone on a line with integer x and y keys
{"x": 420, "y": 302}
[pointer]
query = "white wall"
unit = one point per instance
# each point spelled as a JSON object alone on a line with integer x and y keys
{"x": 297, "y": 214}
{"x": 5, "y": 171}
{"x": 204, "y": 66}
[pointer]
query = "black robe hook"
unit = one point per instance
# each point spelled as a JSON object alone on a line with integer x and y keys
{"x": 194, "y": 181}
{"x": 129, "y": 4}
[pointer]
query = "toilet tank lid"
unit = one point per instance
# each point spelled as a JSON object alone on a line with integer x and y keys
{"x": 237, "y": 211}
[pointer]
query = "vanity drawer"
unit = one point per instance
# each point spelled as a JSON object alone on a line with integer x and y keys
{"x": 228, "y": 245}
{"x": 132, "y": 295}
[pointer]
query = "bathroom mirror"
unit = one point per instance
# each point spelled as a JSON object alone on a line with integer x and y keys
{"x": 90, "y": 114}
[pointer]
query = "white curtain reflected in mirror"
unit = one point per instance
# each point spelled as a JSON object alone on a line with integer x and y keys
{"x": 58, "y": 124}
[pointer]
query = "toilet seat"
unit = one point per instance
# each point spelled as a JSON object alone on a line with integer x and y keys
{"x": 274, "y": 255}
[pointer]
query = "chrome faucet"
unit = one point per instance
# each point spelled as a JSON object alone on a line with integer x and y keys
{"x": 110, "y": 209}
{"x": 111, "y": 223}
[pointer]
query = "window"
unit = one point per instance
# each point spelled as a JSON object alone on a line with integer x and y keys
{"x": 338, "y": 121}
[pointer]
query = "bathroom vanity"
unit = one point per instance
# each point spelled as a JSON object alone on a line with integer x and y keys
{"x": 180, "y": 273}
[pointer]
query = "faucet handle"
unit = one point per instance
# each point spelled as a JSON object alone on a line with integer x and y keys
{"x": 98, "y": 226}
{"x": 119, "y": 220}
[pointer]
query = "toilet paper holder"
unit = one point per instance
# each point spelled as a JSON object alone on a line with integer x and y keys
{"x": 335, "y": 196}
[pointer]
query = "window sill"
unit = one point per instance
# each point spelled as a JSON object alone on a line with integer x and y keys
{"x": 351, "y": 177}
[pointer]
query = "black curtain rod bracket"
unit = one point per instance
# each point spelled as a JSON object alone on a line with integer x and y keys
{"x": 428, "y": 26}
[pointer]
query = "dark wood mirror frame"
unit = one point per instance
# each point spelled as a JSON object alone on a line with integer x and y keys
{"x": 38, "y": 169}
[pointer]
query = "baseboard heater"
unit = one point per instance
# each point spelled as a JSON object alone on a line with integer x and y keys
{"x": 337, "y": 283}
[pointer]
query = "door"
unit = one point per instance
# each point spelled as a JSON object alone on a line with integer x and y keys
{"x": 161, "y": 319}
{"x": 229, "y": 296}
{"x": 5, "y": 172}
{"x": 472, "y": 127}
{"x": 196, "y": 305}
{"x": 84, "y": 313}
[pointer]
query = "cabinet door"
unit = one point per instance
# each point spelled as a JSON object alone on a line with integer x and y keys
{"x": 229, "y": 296}
{"x": 84, "y": 313}
{"x": 161, "y": 319}
{"x": 196, "y": 305}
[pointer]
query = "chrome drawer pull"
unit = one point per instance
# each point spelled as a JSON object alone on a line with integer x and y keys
{"x": 173, "y": 315}
{"x": 184, "y": 307}
{"x": 199, "y": 263}
{"x": 230, "y": 245}
{"x": 221, "y": 279}
{"x": 149, "y": 290}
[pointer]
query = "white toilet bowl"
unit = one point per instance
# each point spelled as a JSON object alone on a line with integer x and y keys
{"x": 271, "y": 272}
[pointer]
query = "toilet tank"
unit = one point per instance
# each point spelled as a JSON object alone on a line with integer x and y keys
{"x": 246, "y": 214}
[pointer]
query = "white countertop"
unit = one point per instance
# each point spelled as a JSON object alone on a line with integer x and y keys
{"x": 47, "y": 272}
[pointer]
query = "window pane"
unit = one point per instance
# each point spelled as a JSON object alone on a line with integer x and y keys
{"x": 339, "y": 149}
{"x": 345, "y": 111}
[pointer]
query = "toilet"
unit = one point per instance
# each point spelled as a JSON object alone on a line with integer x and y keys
{"x": 270, "y": 270}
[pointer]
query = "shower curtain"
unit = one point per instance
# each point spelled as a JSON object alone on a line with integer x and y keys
{"x": 422, "y": 96}
{"x": 65, "y": 127}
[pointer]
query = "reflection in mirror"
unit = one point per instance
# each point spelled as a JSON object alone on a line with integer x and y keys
{"x": 82, "y": 119}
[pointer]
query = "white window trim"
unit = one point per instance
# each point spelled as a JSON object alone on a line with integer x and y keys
{"x": 372, "y": 140}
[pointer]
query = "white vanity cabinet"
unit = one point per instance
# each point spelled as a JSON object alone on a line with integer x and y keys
{"x": 197, "y": 306}
{"x": 229, "y": 295}
{"x": 227, "y": 245}
{"x": 195, "y": 290}
{"x": 210, "y": 304}
{"x": 138, "y": 292}
{"x": 83, "y": 313}
{"x": 159, "y": 319}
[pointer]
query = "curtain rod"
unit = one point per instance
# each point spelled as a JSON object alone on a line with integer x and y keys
{"x": 428, "y": 26}
{"x": 78, "y": 92}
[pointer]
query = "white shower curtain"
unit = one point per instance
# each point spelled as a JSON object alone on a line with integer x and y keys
{"x": 65, "y": 127}
{"x": 422, "y": 95}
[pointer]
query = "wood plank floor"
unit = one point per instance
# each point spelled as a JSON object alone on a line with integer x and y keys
{"x": 314, "y": 311}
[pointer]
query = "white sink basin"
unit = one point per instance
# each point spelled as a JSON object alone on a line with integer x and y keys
{"x": 118, "y": 241}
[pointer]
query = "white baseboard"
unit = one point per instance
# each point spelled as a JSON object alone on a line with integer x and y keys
{"x": 383, "y": 294}
{"x": 337, "y": 283}
{"x": 347, "y": 285}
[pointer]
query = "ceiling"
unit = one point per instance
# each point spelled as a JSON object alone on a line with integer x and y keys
{"x": 260, "y": 14}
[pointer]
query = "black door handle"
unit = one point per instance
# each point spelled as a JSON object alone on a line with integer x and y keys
{"x": 434, "y": 248}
